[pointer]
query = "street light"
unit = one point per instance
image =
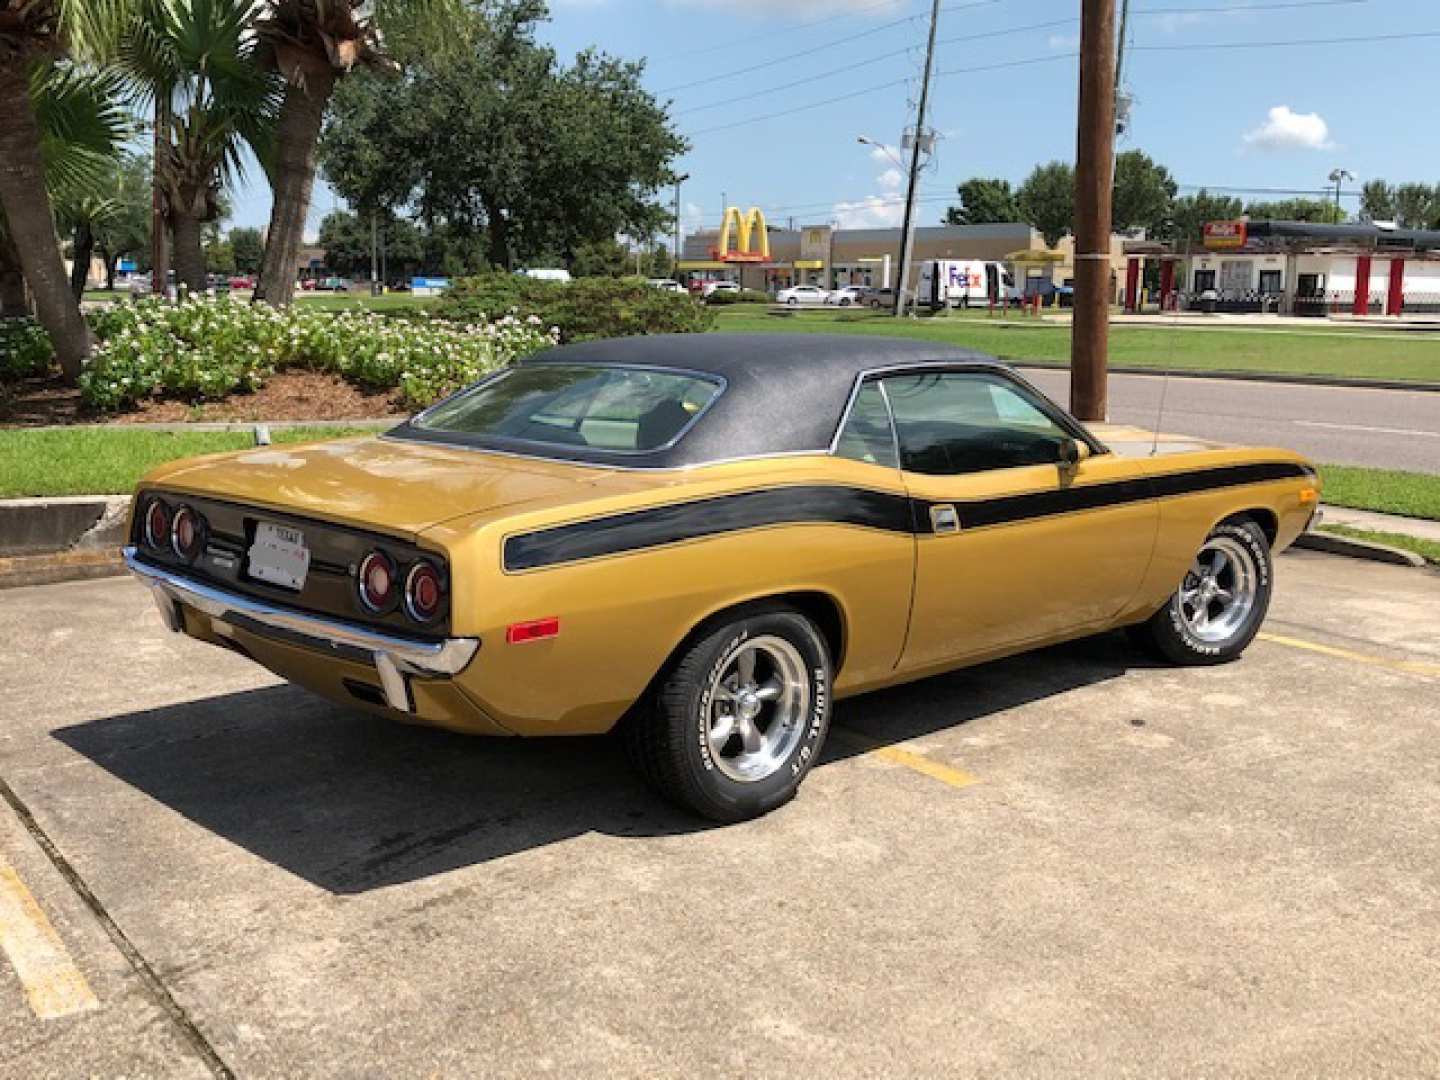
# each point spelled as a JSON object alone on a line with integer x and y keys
{"x": 867, "y": 141}
{"x": 885, "y": 269}
{"x": 1338, "y": 177}
{"x": 675, "y": 269}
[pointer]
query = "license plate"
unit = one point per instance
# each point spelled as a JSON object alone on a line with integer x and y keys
{"x": 279, "y": 556}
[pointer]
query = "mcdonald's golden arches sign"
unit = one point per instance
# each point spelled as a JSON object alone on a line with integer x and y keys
{"x": 746, "y": 230}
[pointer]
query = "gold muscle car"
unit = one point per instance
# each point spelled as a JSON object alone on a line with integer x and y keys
{"x": 706, "y": 540}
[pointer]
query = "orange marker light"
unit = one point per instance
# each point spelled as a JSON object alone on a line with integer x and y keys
{"x": 535, "y": 630}
{"x": 1308, "y": 495}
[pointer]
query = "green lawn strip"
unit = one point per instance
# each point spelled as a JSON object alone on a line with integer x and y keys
{"x": 1387, "y": 491}
{"x": 1426, "y": 549}
{"x": 389, "y": 302}
{"x": 107, "y": 461}
{"x": 1399, "y": 358}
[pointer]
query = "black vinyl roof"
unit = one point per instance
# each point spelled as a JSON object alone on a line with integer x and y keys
{"x": 784, "y": 393}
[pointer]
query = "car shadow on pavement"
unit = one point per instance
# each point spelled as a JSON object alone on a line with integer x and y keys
{"x": 352, "y": 802}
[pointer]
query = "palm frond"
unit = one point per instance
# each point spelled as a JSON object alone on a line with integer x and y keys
{"x": 82, "y": 123}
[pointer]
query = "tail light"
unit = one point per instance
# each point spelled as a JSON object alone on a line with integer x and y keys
{"x": 157, "y": 524}
{"x": 187, "y": 533}
{"x": 424, "y": 592}
{"x": 376, "y": 582}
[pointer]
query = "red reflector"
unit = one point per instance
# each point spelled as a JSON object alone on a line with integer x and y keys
{"x": 522, "y": 632}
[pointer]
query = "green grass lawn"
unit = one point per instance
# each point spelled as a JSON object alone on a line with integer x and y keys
{"x": 1397, "y": 356}
{"x": 1426, "y": 549}
{"x": 107, "y": 461}
{"x": 1387, "y": 491}
{"x": 361, "y": 301}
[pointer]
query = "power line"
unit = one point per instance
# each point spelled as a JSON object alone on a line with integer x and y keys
{"x": 1369, "y": 39}
{"x": 735, "y": 72}
{"x": 847, "y": 68}
{"x": 771, "y": 34}
{"x": 799, "y": 108}
{"x": 1228, "y": 9}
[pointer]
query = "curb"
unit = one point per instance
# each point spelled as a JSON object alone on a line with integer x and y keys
{"x": 57, "y": 566}
{"x": 1332, "y": 544}
{"x": 1245, "y": 376}
{"x": 44, "y": 526}
{"x": 375, "y": 424}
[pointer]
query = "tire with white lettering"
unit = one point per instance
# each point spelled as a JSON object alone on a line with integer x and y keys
{"x": 1221, "y": 602}
{"x": 739, "y": 718}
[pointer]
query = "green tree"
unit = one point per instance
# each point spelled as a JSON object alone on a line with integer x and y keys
{"x": 1189, "y": 213}
{"x": 491, "y": 142}
{"x": 346, "y": 240}
{"x": 1047, "y": 200}
{"x": 1142, "y": 195}
{"x": 1315, "y": 211}
{"x": 33, "y": 35}
{"x": 606, "y": 257}
{"x": 313, "y": 44}
{"x": 983, "y": 200}
{"x": 248, "y": 246}
{"x": 1377, "y": 201}
{"x": 199, "y": 57}
{"x": 1417, "y": 206}
{"x": 127, "y": 230}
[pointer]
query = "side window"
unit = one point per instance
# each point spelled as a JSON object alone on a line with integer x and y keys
{"x": 867, "y": 435}
{"x": 954, "y": 422}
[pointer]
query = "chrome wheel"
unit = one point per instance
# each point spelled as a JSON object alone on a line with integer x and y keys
{"x": 758, "y": 701}
{"x": 1219, "y": 592}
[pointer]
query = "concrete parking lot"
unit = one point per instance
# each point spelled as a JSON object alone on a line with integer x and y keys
{"x": 1070, "y": 863}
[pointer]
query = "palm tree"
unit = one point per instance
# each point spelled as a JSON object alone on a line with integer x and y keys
{"x": 198, "y": 57}
{"x": 313, "y": 43}
{"x": 34, "y": 34}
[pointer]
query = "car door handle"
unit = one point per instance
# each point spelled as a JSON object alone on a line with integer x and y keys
{"x": 944, "y": 518}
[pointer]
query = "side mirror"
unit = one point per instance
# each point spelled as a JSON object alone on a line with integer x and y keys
{"x": 1071, "y": 452}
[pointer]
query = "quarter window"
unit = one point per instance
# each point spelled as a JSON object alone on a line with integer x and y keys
{"x": 948, "y": 423}
{"x": 867, "y": 435}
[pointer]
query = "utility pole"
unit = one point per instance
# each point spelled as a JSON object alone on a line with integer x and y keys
{"x": 374, "y": 256}
{"x": 1094, "y": 179}
{"x": 907, "y": 228}
{"x": 675, "y": 268}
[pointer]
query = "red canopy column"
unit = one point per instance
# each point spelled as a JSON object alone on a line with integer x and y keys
{"x": 1167, "y": 283}
{"x": 1362, "y": 285}
{"x": 1132, "y": 284}
{"x": 1395, "y": 301}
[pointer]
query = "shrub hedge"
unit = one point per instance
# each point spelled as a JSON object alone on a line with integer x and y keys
{"x": 597, "y": 307}
{"x": 744, "y": 296}
{"x": 209, "y": 347}
{"x": 24, "y": 349}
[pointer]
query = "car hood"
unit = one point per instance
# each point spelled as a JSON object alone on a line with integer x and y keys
{"x": 390, "y": 485}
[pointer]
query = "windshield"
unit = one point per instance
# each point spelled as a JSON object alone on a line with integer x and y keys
{"x": 620, "y": 409}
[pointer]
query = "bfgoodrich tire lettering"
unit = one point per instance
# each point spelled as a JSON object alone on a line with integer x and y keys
{"x": 1219, "y": 607}
{"x": 739, "y": 718}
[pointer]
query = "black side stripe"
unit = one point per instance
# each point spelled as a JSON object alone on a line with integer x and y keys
{"x": 834, "y": 504}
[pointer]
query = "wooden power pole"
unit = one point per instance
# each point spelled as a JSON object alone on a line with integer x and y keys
{"x": 907, "y": 228}
{"x": 1094, "y": 178}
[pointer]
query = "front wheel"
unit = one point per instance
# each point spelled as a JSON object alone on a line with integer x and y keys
{"x": 740, "y": 717}
{"x": 1218, "y": 608}
{"x": 792, "y": 301}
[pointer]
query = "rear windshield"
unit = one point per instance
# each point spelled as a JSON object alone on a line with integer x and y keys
{"x": 629, "y": 410}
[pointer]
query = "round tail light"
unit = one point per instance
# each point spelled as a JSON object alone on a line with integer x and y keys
{"x": 376, "y": 582}
{"x": 424, "y": 592}
{"x": 187, "y": 533}
{"x": 157, "y": 524}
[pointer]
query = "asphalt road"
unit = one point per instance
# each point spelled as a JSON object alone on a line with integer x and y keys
{"x": 1392, "y": 429}
{"x": 1070, "y": 863}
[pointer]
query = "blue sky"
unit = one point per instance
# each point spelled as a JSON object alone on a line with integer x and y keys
{"x": 1271, "y": 117}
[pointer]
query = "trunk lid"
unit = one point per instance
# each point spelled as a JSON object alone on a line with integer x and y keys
{"x": 391, "y": 485}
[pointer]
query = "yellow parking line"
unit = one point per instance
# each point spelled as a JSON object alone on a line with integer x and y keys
{"x": 53, "y": 984}
{"x": 1410, "y": 667}
{"x": 946, "y": 774}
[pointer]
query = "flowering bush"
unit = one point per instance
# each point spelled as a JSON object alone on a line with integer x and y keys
{"x": 209, "y": 347}
{"x": 24, "y": 349}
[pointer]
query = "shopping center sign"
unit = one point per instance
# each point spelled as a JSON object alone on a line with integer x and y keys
{"x": 1223, "y": 235}
{"x": 746, "y": 228}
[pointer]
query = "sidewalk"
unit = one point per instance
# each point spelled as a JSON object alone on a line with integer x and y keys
{"x": 1419, "y": 528}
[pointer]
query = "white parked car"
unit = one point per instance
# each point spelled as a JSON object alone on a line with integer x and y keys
{"x": 547, "y": 273}
{"x": 667, "y": 285}
{"x": 846, "y": 297}
{"x": 712, "y": 287}
{"x": 802, "y": 294}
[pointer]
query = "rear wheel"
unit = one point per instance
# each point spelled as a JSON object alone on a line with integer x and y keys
{"x": 740, "y": 717}
{"x": 1218, "y": 608}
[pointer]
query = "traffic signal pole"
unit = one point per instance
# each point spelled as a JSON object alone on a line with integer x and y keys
{"x": 1094, "y": 179}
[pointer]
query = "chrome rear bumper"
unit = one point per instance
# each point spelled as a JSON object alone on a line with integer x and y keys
{"x": 393, "y": 657}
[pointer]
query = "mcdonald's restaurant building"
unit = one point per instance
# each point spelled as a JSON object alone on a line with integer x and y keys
{"x": 757, "y": 256}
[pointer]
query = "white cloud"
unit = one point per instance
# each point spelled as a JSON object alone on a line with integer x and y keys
{"x": 1285, "y": 129}
{"x": 692, "y": 218}
{"x": 890, "y": 179}
{"x": 885, "y": 155}
{"x": 1063, "y": 42}
{"x": 871, "y": 212}
{"x": 801, "y": 7}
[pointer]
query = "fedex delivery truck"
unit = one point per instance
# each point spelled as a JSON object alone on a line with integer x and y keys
{"x": 965, "y": 283}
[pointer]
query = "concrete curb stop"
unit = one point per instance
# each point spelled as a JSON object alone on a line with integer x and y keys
{"x": 61, "y": 539}
{"x": 1332, "y": 544}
